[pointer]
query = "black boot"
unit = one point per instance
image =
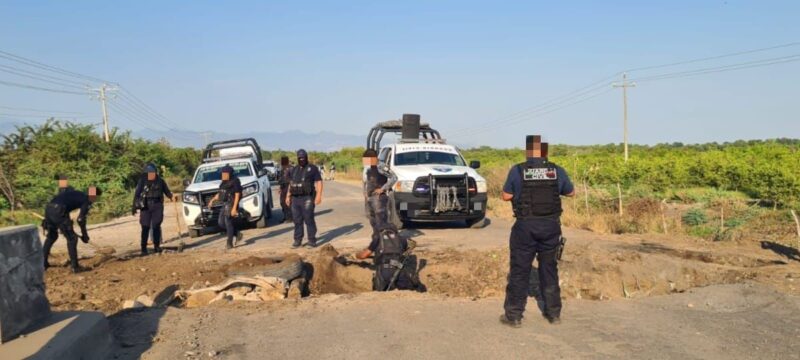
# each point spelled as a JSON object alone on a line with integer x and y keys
{"x": 514, "y": 323}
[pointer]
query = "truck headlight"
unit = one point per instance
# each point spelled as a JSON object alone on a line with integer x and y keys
{"x": 190, "y": 198}
{"x": 481, "y": 184}
{"x": 404, "y": 186}
{"x": 250, "y": 189}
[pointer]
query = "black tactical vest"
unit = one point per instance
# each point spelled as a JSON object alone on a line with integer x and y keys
{"x": 301, "y": 184}
{"x": 390, "y": 247}
{"x": 286, "y": 176}
{"x": 153, "y": 190}
{"x": 226, "y": 193}
{"x": 540, "y": 196}
{"x": 375, "y": 180}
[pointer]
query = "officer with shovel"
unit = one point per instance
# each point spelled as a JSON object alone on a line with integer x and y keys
{"x": 57, "y": 219}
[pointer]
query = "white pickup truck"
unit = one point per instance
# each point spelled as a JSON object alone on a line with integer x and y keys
{"x": 434, "y": 182}
{"x": 244, "y": 156}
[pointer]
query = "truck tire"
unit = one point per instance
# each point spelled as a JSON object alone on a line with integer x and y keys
{"x": 193, "y": 233}
{"x": 476, "y": 223}
{"x": 287, "y": 267}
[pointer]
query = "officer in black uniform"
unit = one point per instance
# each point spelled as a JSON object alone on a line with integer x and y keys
{"x": 305, "y": 192}
{"x": 230, "y": 192}
{"x": 56, "y": 218}
{"x": 535, "y": 188}
{"x": 149, "y": 198}
{"x": 391, "y": 271}
{"x": 283, "y": 184}
{"x": 379, "y": 182}
{"x": 63, "y": 183}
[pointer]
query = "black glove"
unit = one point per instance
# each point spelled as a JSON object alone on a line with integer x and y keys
{"x": 133, "y": 211}
{"x": 85, "y": 239}
{"x": 82, "y": 221}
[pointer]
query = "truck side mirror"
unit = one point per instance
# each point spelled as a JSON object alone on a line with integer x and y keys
{"x": 475, "y": 164}
{"x": 186, "y": 183}
{"x": 262, "y": 172}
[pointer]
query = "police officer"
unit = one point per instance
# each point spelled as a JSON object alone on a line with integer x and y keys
{"x": 305, "y": 192}
{"x": 535, "y": 188}
{"x": 332, "y": 176}
{"x": 149, "y": 198}
{"x": 63, "y": 183}
{"x": 379, "y": 182}
{"x": 391, "y": 271}
{"x": 56, "y": 218}
{"x": 230, "y": 192}
{"x": 283, "y": 184}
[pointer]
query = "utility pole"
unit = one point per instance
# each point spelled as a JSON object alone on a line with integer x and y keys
{"x": 102, "y": 96}
{"x": 625, "y": 85}
{"x": 205, "y": 136}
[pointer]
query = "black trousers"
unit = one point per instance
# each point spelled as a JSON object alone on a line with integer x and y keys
{"x": 57, "y": 219}
{"x": 303, "y": 212}
{"x": 533, "y": 238}
{"x": 287, "y": 210}
{"x": 227, "y": 223}
{"x": 378, "y": 213}
{"x": 151, "y": 219}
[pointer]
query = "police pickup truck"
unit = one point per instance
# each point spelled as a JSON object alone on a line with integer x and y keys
{"x": 434, "y": 182}
{"x": 244, "y": 156}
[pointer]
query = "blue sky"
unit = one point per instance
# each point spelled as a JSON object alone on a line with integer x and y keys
{"x": 341, "y": 66}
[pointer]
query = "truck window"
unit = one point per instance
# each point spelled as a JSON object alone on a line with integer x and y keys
{"x": 428, "y": 157}
{"x": 211, "y": 173}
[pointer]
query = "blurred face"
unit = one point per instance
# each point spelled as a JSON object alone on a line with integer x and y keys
{"x": 151, "y": 176}
{"x": 226, "y": 176}
{"x": 302, "y": 161}
{"x": 92, "y": 193}
{"x": 62, "y": 184}
{"x": 285, "y": 162}
{"x": 370, "y": 161}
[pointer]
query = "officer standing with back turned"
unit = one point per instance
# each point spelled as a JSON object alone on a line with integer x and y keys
{"x": 148, "y": 199}
{"x": 535, "y": 188}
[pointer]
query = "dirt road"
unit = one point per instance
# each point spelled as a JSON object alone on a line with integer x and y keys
{"x": 664, "y": 297}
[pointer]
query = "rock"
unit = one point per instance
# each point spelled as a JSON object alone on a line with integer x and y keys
{"x": 132, "y": 304}
{"x": 145, "y": 300}
{"x": 213, "y": 353}
{"x": 201, "y": 298}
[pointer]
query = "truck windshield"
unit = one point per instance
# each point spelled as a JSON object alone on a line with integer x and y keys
{"x": 428, "y": 157}
{"x": 211, "y": 173}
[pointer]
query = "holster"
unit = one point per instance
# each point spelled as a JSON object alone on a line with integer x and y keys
{"x": 560, "y": 250}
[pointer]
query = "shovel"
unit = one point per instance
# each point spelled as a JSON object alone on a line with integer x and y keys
{"x": 103, "y": 250}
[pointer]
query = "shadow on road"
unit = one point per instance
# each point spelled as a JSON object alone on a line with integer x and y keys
{"x": 789, "y": 252}
{"x": 329, "y": 235}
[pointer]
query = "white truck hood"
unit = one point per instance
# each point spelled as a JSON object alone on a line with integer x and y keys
{"x": 412, "y": 172}
{"x": 214, "y": 185}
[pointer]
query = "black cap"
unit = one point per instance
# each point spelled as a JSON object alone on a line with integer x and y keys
{"x": 370, "y": 153}
{"x": 226, "y": 169}
{"x": 302, "y": 154}
{"x": 61, "y": 177}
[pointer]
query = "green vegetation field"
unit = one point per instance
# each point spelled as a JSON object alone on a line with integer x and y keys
{"x": 737, "y": 190}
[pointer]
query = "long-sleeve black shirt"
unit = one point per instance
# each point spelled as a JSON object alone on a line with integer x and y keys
{"x": 143, "y": 182}
{"x": 72, "y": 199}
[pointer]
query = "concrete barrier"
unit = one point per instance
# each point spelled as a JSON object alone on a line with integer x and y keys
{"x": 23, "y": 302}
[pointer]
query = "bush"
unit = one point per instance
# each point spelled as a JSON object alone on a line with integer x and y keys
{"x": 694, "y": 217}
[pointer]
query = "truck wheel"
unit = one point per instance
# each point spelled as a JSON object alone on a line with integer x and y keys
{"x": 193, "y": 233}
{"x": 269, "y": 207}
{"x": 476, "y": 223}
{"x": 285, "y": 267}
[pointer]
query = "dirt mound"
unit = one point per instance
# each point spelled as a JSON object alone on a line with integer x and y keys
{"x": 332, "y": 273}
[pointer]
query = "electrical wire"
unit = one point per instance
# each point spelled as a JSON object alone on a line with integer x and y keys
{"x": 33, "y": 87}
{"x": 730, "y": 67}
{"x": 39, "y": 110}
{"x": 36, "y": 64}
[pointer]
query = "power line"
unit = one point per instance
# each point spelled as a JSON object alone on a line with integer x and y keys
{"x": 64, "y": 84}
{"x": 39, "y": 110}
{"x": 36, "y": 64}
{"x": 33, "y": 87}
{"x": 731, "y": 67}
{"x": 146, "y": 107}
{"x": 36, "y": 74}
{"x": 684, "y": 62}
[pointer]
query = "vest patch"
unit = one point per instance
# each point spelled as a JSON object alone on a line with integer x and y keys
{"x": 538, "y": 174}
